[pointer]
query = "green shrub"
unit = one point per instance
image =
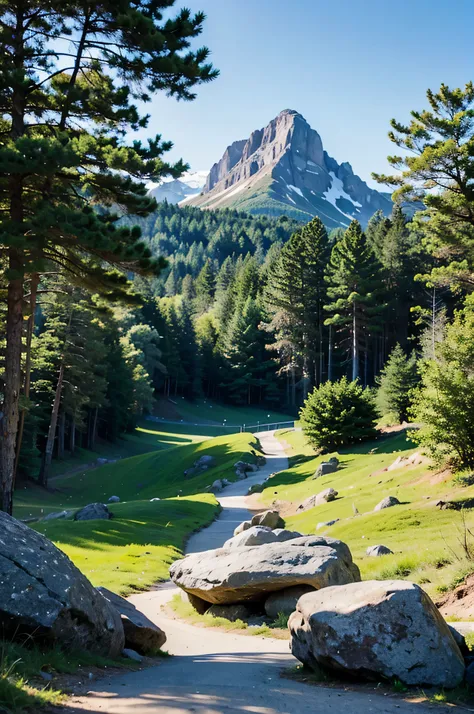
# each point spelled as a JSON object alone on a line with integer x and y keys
{"x": 396, "y": 383}
{"x": 337, "y": 414}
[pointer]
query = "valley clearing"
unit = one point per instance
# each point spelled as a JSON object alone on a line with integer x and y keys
{"x": 212, "y": 671}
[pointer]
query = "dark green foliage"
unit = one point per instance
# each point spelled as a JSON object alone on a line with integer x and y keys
{"x": 355, "y": 294}
{"x": 337, "y": 414}
{"x": 396, "y": 383}
{"x": 445, "y": 402}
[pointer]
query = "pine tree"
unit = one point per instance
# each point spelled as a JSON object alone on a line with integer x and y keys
{"x": 294, "y": 296}
{"x": 205, "y": 287}
{"x": 396, "y": 383}
{"x": 53, "y": 173}
{"x": 354, "y": 290}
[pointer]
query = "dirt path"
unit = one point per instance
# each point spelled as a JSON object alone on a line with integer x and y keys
{"x": 214, "y": 672}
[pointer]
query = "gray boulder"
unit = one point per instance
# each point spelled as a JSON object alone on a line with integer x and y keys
{"x": 245, "y": 466}
{"x": 216, "y": 487}
{"x": 326, "y": 467}
{"x": 241, "y": 475}
{"x": 230, "y": 612}
{"x": 284, "y": 601}
{"x": 242, "y": 527}
{"x": 92, "y": 512}
{"x": 227, "y": 576}
{"x": 205, "y": 460}
{"x": 141, "y": 634}
{"x": 326, "y": 496}
{"x": 268, "y": 518}
{"x": 376, "y": 550}
{"x": 376, "y": 629}
{"x": 113, "y": 499}
{"x": 387, "y": 502}
{"x": 259, "y": 535}
{"x": 132, "y": 654}
{"x": 44, "y": 595}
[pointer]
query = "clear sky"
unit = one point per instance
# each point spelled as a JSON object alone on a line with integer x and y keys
{"x": 347, "y": 65}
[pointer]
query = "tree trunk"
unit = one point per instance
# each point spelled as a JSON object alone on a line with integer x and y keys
{"x": 72, "y": 436}
{"x": 94, "y": 427}
{"x": 61, "y": 434}
{"x": 48, "y": 454}
{"x": 293, "y": 385}
{"x": 355, "y": 346}
{"x": 330, "y": 355}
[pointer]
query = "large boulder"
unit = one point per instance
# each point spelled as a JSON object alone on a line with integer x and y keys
{"x": 259, "y": 535}
{"x": 373, "y": 629}
{"x": 232, "y": 613}
{"x": 226, "y": 576}
{"x": 271, "y": 519}
{"x": 326, "y": 496}
{"x": 387, "y": 502}
{"x": 141, "y": 634}
{"x": 284, "y": 601}
{"x": 92, "y": 512}
{"x": 44, "y": 595}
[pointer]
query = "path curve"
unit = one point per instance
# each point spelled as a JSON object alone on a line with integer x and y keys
{"x": 217, "y": 672}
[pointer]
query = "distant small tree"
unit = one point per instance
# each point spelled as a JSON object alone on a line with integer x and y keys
{"x": 396, "y": 383}
{"x": 445, "y": 403}
{"x": 337, "y": 414}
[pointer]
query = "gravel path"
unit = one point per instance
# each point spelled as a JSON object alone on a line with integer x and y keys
{"x": 214, "y": 672}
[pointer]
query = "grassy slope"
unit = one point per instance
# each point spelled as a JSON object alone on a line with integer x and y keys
{"x": 421, "y": 536}
{"x": 204, "y": 410}
{"x": 113, "y": 553}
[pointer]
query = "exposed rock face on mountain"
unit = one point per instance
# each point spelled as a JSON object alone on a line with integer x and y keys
{"x": 177, "y": 190}
{"x": 283, "y": 169}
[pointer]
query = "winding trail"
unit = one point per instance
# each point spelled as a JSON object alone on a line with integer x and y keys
{"x": 214, "y": 672}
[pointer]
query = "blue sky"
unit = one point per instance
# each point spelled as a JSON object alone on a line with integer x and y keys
{"x": 347, "y": 65}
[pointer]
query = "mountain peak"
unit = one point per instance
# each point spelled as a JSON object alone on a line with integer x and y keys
{"x": 283, "y": 169}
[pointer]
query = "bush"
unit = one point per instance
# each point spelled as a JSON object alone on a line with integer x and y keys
{"x": 444, "y": 406}
{"x": 337, "y": 414}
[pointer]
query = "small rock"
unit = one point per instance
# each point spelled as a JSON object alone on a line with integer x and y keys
{"x": 59, "y": 515}
{"x": 47, "y": 676}
{"x": 243, "y": 527}
{"x": 387, "y": 502}
{"x": 376, "y": 550}
{"x": 94, "y": 511}
{"x": 325, "y": 496}
{"x": 326, "y": 467}
{"x": 268, "y": 518}
{"x": 114, "y": 499}
{"x": 131, "y": 654}
{"x": 230, "y": 612}
{"x": 284, "y": 601}
{"x": 216, "y": 487}
{"x": 140, "y": 633}
{"x": 324, "y": 524}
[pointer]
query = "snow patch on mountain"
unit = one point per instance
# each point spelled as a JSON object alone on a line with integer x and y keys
{"x": 336, "y": 190}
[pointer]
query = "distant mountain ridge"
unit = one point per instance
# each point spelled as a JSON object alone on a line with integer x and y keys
{"x": 177, "y": 190}
{"x": 284, "y": 169}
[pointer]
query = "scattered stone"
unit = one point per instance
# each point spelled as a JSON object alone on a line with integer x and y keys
{"x": 227, "y": 576}
{"x": 131, "y": 654}
{"x": 326, "y": 524}
{"x": 205, "y": 460}
{"x": 326, "y": 467}
{"x": 256, "y": 488}
{"x": 259, "y": 535}
{"x": 230, "y": 612}
{"x": 47, "y": 676}
{"x": 268, "y": 518}
{"x": 58, "y": 515}
{"x": 387, "y": 502}
{"x": 284, "y": 601}
{"x": 329, "y": 494}
{"x": 113, "y": 499}
{"x": 413, "y": 460}
{"x": 241, "y": 475}
{"x": 216, "y": 487}
{"x": 245, "y": 466}
{"x": 94, "y": 511}
{"x": 242, "y": 527}
{"x": 44, "y": 595}
{"x": 376, "y": 629}
{"x": 141, "y": 634}
{"x": 376, "y": 550}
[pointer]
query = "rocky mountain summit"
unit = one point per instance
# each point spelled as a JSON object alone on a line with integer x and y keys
{"x": 174, "y": 191}
{"x": 283, "y": 169}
